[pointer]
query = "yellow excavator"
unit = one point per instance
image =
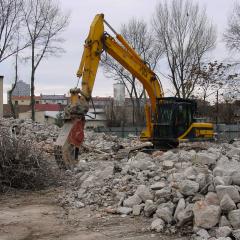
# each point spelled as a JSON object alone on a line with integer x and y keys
{"x": 169, "y": 120}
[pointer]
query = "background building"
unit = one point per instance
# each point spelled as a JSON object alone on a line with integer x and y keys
{"x": 21, "y": 89}
{"x": 54, "y": 99}
{"x": 24, "y": 100}
{"x": 119, "y": 94}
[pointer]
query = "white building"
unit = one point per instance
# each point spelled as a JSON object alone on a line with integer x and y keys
{"x": 54, "y": 99}
{"x": 119, "y": 94}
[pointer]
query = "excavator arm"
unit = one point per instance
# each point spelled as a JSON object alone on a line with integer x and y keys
{"x": 97, "y": 42}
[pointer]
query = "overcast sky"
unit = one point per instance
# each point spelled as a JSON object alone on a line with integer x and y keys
{"x": 58, "y": 75}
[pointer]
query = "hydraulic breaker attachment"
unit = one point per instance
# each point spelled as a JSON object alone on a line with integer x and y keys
{"x": 68, "y": 142}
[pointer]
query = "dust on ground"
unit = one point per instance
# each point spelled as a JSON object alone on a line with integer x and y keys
{"x": 35, "y": 215}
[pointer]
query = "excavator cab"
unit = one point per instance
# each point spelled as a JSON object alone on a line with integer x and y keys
{"x": 174, "y": 122}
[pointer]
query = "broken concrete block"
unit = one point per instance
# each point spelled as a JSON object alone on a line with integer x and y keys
{"x": 163, "y": 193}
{"x": 137, "y": 209}
{"x": 230, "y": 190}
{"x": 144, "y": 193}
{"x": 158, "y": 185}
{"x": 181, "y": 205}
{"x": 223, "y": 180}
{"x": 188, "y": 187}
{"x": 131, "y": 201}
{"x": 233, "y": 152}
{"x": 227, "y": 204}
{"x": 206, "y": 158}
{"x": 190, "y": 171}
{"x": 236, "y": 178}
{"x": 186, "y": 215}
{"x": 203, "y": 234}
{"x": 157, "y": 225}
{"x": 141, "y": 161}
{"x": 218, "y": 181}
{"x": 236, "y": 234}
{"x": 224, "y": 222}
{"x": 149, "y": 208}
{"x": 165, "y": 214}
{"x": 223, "y": 231}
{"x": 234, "y": 218}
{"x": 226, "y": 167}
{"x": 124, "y": 210}
{"x": 201, "y": 179}
{"x": 206, "y": 216}
{"x": 212, "y": 199}
{"x": 167, "y": 164}
{"x": 168, "y": 156}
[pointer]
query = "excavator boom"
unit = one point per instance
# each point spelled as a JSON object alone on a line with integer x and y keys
{"x": 98, "y": 40}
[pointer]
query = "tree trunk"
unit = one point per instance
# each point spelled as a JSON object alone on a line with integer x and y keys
{"x": 138, "y": 111}
{"x": 137, "y": 104}
{"x": 32, "y": 96}
{"x": 13, "y": 109}
{"x": 133, "y": 113}
{"x": 32, "y": 82}
{"x": 11, "y": 103}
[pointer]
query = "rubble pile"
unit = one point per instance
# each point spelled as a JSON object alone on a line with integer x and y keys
{"x": 23, "y": 162}
{"x": 195, "y": 187}
{"x": 42, "y": 135}
{"x": 181, "y": 188}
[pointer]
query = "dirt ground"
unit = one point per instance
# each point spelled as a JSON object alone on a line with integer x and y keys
{"x": 30, "y": 216}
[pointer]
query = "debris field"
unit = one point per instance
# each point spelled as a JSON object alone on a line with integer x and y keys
{"x": 194, "y": 188}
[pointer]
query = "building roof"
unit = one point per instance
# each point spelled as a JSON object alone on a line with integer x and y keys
{"x": 104, "y": 101}
{"x": 25, "y": 97}
{"x": 49, "y": 107}
{"x": 102, "y": 98}
{"x": 53, "y": 97}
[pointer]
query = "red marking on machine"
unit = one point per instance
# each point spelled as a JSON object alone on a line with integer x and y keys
{"x": 76, "y": 135}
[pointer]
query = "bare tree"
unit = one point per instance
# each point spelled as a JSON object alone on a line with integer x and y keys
{"x": 213, "y": 77}
{"x": 45, "y": 22}
{"x": 141, "y": 39}
{"x": 10, "y": 27}
{"x": 10, "y": 92}
{"x": 186, "y": 35}
{"x": 232, "y": 35}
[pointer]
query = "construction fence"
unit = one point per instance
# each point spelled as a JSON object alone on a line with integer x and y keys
{"x": 227, "y": 132}
{"x": 223, "y": 132}
{"x": 120, "y": 131}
